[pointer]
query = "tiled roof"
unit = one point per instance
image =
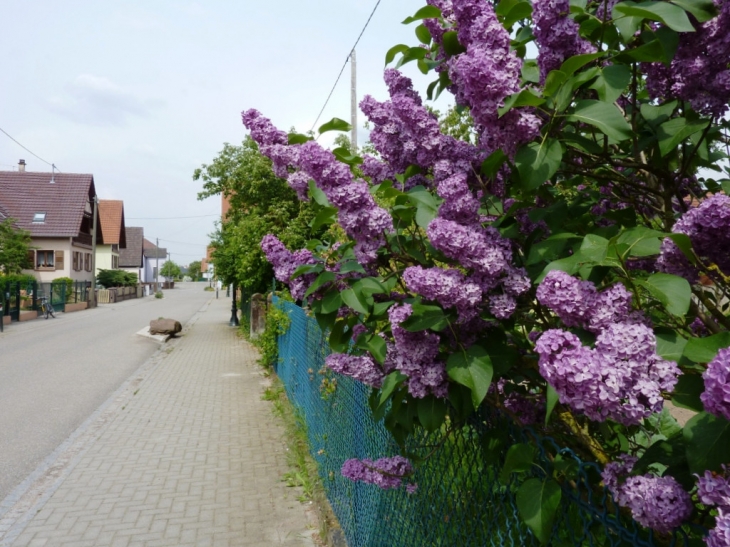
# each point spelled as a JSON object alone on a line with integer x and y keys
{"x": 111, "y": 216}
{"x": 151, "y": 250}
{"x": 24, "y": 194}
{"x": 131, "y": 256}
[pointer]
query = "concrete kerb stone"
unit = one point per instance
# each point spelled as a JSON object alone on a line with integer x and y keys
{"x": 22, "y": 504}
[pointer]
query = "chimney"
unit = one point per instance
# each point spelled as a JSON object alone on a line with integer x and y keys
{"x": 21, "y": 166}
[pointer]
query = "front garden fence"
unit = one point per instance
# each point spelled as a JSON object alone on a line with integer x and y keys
{"x": 460, "y": 500}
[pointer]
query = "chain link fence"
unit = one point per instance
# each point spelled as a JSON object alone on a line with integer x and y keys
{"x": 460, "y": 500}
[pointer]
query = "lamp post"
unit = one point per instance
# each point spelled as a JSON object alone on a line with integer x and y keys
{"x": 234, "y": 316}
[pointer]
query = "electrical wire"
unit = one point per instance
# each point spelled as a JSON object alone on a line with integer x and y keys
{"x": 26, "y": 149}
{"x": 344, "y": 65}
{"x": 185, "y": 243}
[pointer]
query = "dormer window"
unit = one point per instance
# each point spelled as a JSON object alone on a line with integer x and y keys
{"x": 39, "y": 218}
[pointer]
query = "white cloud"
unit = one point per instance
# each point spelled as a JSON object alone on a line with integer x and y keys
{"x": 95, "y": 100}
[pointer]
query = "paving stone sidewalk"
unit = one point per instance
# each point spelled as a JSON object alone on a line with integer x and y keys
{"x": 187, "y": 454}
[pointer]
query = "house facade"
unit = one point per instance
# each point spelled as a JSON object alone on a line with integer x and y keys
{"x": 57, "y": 210}
{"x": 154, "y": 258}
{"x": 111, "y": 218}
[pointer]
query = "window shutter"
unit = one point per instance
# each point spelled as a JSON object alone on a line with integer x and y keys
{"x": 87, "y": 262}
{"x": 31, "y": 259}
{"x": 59, "y": 260}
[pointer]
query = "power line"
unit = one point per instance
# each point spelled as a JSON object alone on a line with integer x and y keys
{"x": 344, "y": 65}
{"x": 26, "y": 149}
{"x": 185, "y": 243}
{"x": 170, "y": 218}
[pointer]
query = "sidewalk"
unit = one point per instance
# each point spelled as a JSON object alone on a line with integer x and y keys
{"x": 185, "y": 454}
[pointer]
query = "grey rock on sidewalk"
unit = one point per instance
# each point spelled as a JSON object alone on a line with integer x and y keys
{"x": 187, "y": 454}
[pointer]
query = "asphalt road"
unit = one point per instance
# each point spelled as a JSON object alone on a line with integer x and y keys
{"x": 55, "y": 373}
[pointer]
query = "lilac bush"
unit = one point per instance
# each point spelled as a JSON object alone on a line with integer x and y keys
{"x": 577, "y": 257}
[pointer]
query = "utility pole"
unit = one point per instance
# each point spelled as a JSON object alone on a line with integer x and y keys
{"x": 92, "y": 296}
{"x": 157, "y": 266}
{"x": 353, "y": 101}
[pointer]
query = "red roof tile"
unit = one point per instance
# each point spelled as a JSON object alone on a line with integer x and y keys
{"x": 64, "y": 201}
{"x": 111, "y": 216}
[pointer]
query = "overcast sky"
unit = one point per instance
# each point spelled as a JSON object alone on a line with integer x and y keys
{"x": 140, "y": 93}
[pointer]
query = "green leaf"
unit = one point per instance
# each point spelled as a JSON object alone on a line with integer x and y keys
{"x": 687, "y": 392}
{"x": 305, "y": 269}
{"x": 492, "y": 443}
{"x": 431, "y": 412}
{"x": 318, "y": 195}
{"x": 472, "y": 369}
{"x": 298, "y": 138}
{"x": 685, "y": 245}
{"x": 569, "y": 265}
{"x": 451, "y": 44}
{"x": 670, "y": 452}
{"x": 669, "y": 14}
{"x": 322, "y": 279}
{"x": 325, "y": 217}
{"x": 426, "y": 12}
{"x": 639, "y": 241}
{"x": 530, "y": 71}
{"x": 553, "y": 81}
{"x": 657, "y": 115}
{"x": 669, "y": 344}
{"x": 493, "y": 163}
{"x": 340, "y": 337}
{"x": 331, "y": 302}
{"x": 520, "y": 11}
{"x": 537, "y": 162}
{"x": 627, "y": 26}
{"x": 395, "y": 50}
{"x": 423, "y": 34}
{"x": 377, "y": 348}
{"x": 594, "y": 248}
{"x": 611, "y": 82}
{"x": 519, "y": 459}
{"x": 526, "y": 97}
{"x": 671, "y": 290}
{"x": 351, "y": 266}
{"x": 605, "y": 117}
{"x": 704, "y": 350}
{"x": 390, "y": 383}
{"x": 538, "y": 501}
{"x": 552, "y": 399}
{"x": 354, "y": 301}
{"x": 335, "y": 124}
{"x": 703, "y": 10}
{"x": 674, "y": 131}
{"x": 413, "y": 54}
{"x": 571, "y": 64}
{"x": 549, "y": 248}
{"x": 708, "y": 442}
{"x": 425, "y": 317}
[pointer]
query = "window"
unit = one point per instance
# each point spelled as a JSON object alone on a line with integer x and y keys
{"x": 87, "y": 262}
{"x": 39, "y": 218}
{"x": 115, "y": 262}
{"x": 44, "y": 260}
{"x": 78, "y": 261}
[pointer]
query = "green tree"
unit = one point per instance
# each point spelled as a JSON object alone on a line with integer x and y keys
{"x": 14, "y": 247}
{"x": 170, "y": 270}
{"x": 194, "y": 270}
{"x": 261, "y": 203}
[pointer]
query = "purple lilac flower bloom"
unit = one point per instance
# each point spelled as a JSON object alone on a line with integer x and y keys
{"x": 699, "y": 71}
{"x": 716, "y": 396}
{"x": 448, "y": 287}
{"x": 571, "y": 299}
{"x": 481, "y": 249}
{"x": 708, "y": 227}
{"x": 502, "y": 306}
{"x": 621, "y": 379}
{"x": 556, "y": 34}
{"x": 362, "y": 368}
{"x": 714, "y": 489}
{"x": 385, "y": 473}
{"x": 286, "y": 262}
{"x": 376, "y": 170}
{"x": 719, "y": 536}
{"x": 414, "y": 354}
{"x": 516, "y": 282}
{"x": 358, "y": 214}
{"x": 459, "y": 204}
{"x": 659, "y": 503}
